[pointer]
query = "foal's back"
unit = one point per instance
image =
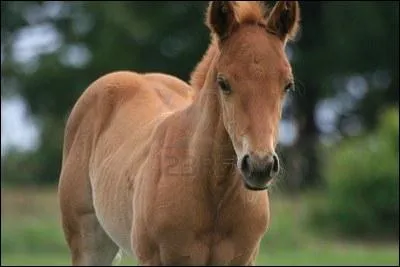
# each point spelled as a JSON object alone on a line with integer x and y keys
{"x": 97, "y": 156}
{"x": 141, "y": 97}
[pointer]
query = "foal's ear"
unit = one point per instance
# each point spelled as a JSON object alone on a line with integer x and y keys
{"x": 221, "y": 18}
{"x": 283, "y": 20}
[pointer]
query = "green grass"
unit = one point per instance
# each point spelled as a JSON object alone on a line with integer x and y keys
{"x": 311, "y": 256}
{"x": 31, "y": 235}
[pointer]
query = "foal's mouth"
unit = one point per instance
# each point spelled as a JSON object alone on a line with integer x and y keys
{"x": 257, "y": 181}
{"x": 256, "y": 187}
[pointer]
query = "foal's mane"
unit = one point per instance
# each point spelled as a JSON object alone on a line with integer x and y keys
{"x": 252, "y": 12}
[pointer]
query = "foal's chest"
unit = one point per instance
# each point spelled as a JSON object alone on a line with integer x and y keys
{"x": 189, "y": 233}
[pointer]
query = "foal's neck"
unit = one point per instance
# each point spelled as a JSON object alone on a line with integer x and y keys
{"x": 196, "y": 136}
{"x": 209, "y": 142}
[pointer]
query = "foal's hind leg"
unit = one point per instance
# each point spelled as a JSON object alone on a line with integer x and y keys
{"x": 89, "y": 244}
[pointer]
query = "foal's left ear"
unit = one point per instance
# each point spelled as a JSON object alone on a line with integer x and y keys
{"x": 283, "y": 20}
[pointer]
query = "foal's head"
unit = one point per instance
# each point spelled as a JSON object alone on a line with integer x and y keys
{"x": 253, "y": 75}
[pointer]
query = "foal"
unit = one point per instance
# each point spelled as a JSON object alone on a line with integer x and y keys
{"x": 176, "y": 174}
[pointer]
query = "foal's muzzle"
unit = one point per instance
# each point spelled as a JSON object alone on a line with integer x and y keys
{"x": 258, "y": 171}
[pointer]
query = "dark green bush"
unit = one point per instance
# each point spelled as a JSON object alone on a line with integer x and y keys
{"x": 362, "y": 194}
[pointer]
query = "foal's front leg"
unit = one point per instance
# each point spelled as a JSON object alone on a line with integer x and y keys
{"x": 171, "y": 254}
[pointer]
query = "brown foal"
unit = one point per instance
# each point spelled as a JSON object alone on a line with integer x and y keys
{"x": 177, "y": 174}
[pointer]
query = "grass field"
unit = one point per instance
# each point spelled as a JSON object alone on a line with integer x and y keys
{"x": 31, "y": 235}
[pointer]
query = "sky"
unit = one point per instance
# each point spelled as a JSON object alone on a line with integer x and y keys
{"x": 17, "y": 128}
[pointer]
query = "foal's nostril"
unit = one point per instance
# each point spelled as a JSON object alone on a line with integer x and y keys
{"x": 245, "y": 166}
{"x": 259, "y": 168}
{"x": 275, "y": 167}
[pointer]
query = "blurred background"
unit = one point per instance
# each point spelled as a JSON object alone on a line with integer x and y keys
{"x": 337, "y": 201}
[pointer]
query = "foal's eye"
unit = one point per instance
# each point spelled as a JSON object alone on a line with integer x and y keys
{"x": 289, "y": 87}
{"x": 224, "y": 85}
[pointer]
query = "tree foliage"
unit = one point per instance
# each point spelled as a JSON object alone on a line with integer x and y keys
{"x": 362, "y": 196}
{"x": 84, "y": 40}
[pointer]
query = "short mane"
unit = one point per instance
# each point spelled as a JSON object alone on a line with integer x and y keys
{"x": 250, "y": 12}
{"x": 245, "y": 13}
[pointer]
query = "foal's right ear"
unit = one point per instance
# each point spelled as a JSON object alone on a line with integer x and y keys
{"x": 221, "y": 18}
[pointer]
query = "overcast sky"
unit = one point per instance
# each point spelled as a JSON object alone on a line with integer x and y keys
{"x": 16, "y": 127}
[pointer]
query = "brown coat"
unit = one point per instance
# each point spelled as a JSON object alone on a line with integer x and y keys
{"x": 150, "y": 163}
